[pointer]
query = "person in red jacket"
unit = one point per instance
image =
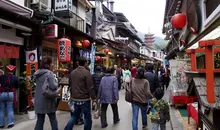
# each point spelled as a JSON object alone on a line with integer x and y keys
{"x": 133, "y": 71}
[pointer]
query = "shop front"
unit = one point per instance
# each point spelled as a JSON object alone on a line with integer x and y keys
{"x": 16, "y": 31}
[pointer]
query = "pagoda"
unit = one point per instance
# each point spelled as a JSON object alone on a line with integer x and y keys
{"x": 149, "y": 39}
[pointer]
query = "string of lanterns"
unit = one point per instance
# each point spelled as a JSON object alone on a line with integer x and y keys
{"x": 84, "y": 43}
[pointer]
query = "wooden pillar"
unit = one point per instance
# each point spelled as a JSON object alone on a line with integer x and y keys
{"x": 209, "y": 61}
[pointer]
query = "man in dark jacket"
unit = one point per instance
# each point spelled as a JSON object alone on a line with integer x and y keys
{"x": 97, "y": 77}
{"x": 82, "y": 91}
{"x": 152, "y": 78}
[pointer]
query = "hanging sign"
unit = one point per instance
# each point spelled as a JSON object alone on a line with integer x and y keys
{"x": 51, "y": 31}
{"x": 31, "y": 62}
{"x": 93, "y": 50}
{"x": 64, "y": 50}
{"x": 63, "y": 8}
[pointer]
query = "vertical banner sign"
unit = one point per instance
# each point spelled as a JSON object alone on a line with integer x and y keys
{"x": 64, "y": 50}
{"x": 93, "y": 50}
{"x": 31, "y": 61}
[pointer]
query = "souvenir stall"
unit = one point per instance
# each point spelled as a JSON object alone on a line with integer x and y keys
{"x": 205, "y": 83}
{"x": 180, "y": 83}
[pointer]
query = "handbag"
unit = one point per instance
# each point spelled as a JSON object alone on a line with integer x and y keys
{"x": 128, "y": 92}
{"x": 47, "y": 92}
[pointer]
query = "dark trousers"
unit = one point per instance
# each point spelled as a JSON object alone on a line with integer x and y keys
{"x": 84, "y": 108}
{"x": 103, "y": 113}
{"x": 166, "y": 83}
{"x": 41, "y": 119}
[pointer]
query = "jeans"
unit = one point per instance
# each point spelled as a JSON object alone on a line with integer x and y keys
{"x": 6, "y": 104}
{"x": 41, "y": 118}
{"x": 84, "y": 108}
{"x": 135, "y": 112}
{"x": 156, "y": 126}
{"x": 103, "y": 113}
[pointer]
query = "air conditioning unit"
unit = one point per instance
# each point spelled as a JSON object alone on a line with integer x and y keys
{"x": 40, "y": 5}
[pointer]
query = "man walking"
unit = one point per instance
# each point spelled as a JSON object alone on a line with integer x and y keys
{"x": 82, "y": 90}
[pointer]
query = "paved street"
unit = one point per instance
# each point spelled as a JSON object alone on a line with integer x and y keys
{"x": 63, "y": 117}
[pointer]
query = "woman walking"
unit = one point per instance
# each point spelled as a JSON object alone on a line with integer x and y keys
{"x": 127, "y": 76}
{"x": 44, "y": 105}
{"x": 141, "y": 94}
{"x": 8, "y": 83}
{"x": 108, "y": 94}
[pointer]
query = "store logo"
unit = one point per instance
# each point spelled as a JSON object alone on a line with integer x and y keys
{"x": 32, "y": 57}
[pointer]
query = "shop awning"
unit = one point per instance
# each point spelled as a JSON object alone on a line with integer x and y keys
{"x": 158, "y": 59}
{"x": 172, "y": 53}
{"x": 12, "y": 6}
{"x": 12, "y": 17}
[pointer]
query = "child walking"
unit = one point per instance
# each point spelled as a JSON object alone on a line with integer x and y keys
{"x": 159, "y": 113}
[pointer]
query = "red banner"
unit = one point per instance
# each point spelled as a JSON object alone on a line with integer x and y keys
{"x": 9, "y": 51}
{"x": 64, "y": 50}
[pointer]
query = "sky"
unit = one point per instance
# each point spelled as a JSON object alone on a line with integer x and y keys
{"x": 144, "y": 15}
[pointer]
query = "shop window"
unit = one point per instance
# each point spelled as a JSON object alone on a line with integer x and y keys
{"x": 211, "y": 5}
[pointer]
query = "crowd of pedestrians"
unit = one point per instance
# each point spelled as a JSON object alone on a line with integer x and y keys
{"x": 98, "y": 91}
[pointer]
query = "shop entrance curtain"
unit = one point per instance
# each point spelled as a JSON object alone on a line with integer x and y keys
{"x": 9, "y": 51}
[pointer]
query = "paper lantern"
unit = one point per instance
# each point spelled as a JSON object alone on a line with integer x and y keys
{"x": 125, "y": 60}
{"x": 64, "y": 50}
{"x": 79, "y": 44}
{"x": 97, "y": 58}
{"x": 106, "y": 51}
{"x": 178, "y": 20}
{"x": 86, "y": 43}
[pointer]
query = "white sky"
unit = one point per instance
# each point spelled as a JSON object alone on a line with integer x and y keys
{"x": 143, "y": 14}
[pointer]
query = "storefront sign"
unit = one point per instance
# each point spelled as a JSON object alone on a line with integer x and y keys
{"x": 51, "y": 31}
{"x": 31, "y": 56}
{"x": 63, "y": 7}
{"x": 93, "y": 50}
{"x": 64, "y": 50}
{"x": 31, "y": 62}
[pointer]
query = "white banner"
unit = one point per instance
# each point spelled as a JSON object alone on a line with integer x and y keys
{"x": 31, "y": 56}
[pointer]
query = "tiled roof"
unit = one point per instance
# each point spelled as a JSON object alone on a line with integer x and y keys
{"x": 200, "y": 83}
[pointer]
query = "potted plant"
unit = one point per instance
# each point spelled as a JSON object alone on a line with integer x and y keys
{"x": 29, "y": 85}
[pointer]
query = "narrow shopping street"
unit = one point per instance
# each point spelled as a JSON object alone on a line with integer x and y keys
{"x": 125, "y": 116}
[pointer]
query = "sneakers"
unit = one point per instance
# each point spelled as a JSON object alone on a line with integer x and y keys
{"x": 10, "y": 126}
{"x": 115, "y": 122}
{"x": 104, "y": 126}
{"x": 145, "y": 127}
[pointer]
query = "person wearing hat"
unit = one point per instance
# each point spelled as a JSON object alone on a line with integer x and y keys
{"x": 8, "y": 83}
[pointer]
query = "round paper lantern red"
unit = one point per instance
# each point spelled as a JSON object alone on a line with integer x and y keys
{"x": 97, "y": 58}
{"x": 106, "y": 51}
{"x": 125, "y": 60}
{"x": 64, "y": 50}
{"x": 178, "y": 20}
{"x": 86, "y": 43}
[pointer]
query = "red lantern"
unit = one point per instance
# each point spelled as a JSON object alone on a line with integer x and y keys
{"x": 97, "y": 58}
{"x": 86, "y": 43}
{"x": 106, "y": 51}
{"x": 125, "y": 60}
{"x": 64, "y": 50}
{"x": 178, "y": 20}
